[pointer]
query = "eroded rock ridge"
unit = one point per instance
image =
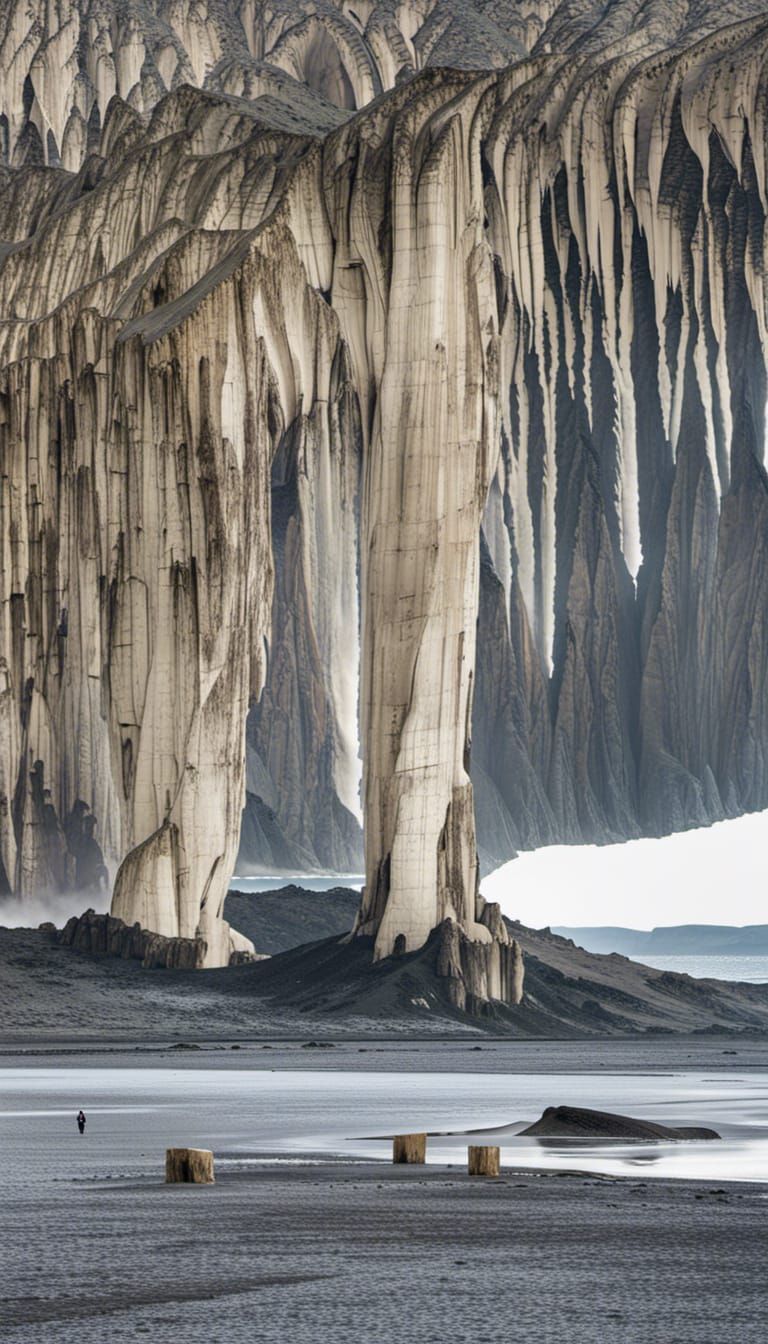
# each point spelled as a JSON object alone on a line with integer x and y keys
{"x": 442, "y": 314}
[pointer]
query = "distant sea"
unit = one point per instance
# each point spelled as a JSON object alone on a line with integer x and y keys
{"x": 750, "y": 970}
{"x": 309, "y": 883}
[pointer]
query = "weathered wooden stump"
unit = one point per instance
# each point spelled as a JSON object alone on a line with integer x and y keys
{"x": 409, "y": 1148}
{"x": 188, "y": 1166}
{"x": 483, "y": 1161}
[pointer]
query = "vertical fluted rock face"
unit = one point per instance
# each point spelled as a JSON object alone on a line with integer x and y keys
{"x": 427, "y": 468}
{"x": 135, "y": 632}
{"x": 491, "y": 348}
{"x": 139, "y": 422}
{"x": 480, "y": 970}
{"x": 180, "y": 690}
{"x": 632, "y": 440}
{"x": 302, "y": 769}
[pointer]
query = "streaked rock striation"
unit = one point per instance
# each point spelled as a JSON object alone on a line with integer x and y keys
{"x": 302, "y": 800}
{"x": 464, "y": 312}
{"x": 138, "y": 533}
{"x": 631, "y": 483}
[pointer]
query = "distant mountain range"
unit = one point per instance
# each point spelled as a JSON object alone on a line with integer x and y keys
{"x": 685, "y": 939}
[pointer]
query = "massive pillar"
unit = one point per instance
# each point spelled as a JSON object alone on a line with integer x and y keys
{"x": 432, "y": 449}
{"x": 189, "y": 602}
{"x": 270, "y": 346}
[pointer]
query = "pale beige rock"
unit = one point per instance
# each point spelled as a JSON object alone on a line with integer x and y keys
{"x": 189, "y": 1166}
{"x": 409, "y": 1148}
{"x": 63, "y": 63}
{"x": 433, "y": 442}
{"x": 199, "y": 292}
{"x": 483, "y": 1160}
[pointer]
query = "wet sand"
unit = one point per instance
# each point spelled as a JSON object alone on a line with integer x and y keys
{"x": 304, "y": 1249}
{"x": 373, "y": 1254}
{"x": 310, "y": 1250}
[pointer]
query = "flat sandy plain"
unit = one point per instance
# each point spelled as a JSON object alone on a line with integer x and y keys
{"x": 315, "y": 1249}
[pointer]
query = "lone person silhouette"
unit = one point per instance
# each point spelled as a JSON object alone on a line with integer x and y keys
{"x": 81, "y": 1121}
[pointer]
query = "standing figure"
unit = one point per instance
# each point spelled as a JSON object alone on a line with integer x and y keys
{"x": 81, "y": 1121}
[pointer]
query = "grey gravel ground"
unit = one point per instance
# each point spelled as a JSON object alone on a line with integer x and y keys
{"x": 195, "y": 1050}
{"x": 369, "y": 1255}
{"x": 47, "y": 990}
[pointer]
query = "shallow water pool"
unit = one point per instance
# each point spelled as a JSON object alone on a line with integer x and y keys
{"x": 243, "y": 1114}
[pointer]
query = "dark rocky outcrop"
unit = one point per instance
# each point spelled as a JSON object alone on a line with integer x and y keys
{"x": 576, "y": 1122}
{"x": 107, "y": 936}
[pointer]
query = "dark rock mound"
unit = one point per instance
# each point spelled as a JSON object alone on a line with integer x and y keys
{"x": 567, "y": 991}
{"x": 441, "y": 980}
{"x": 576, "y": 1122}
{"x": 277, "y": 920}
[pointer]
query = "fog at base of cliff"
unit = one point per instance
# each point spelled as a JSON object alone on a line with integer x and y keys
{"x": 712, "y": 875}
{"x": 55, "y": 907}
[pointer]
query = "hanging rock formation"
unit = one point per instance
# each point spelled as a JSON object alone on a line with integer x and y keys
{"x": 460, "y": 310}
{"x": 630, "y": 491}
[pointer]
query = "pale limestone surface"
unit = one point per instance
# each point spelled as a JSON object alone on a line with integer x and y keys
{"x": 409, "y": 293}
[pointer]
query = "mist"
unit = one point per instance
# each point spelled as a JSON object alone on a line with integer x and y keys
{"x": 54, "y": 907}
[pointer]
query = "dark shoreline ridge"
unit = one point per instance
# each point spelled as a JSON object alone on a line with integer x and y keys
{"x": 289, "y": 915}
{"x": 329, "y": 985}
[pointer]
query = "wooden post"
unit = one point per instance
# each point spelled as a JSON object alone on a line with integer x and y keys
{"x": 410, "y": 1148}
{"x": 483, "y": 1161}
{"x": 188, "y": 1166}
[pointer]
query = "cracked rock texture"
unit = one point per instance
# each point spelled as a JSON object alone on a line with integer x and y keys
{"x": 444, "y": 324}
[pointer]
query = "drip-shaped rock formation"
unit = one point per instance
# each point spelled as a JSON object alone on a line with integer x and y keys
{"x": 433, "y": 354}
{"x": 473, "y": 302}
{"x": 305, "y": 60}
{"x": 623, "y": 580}
{"x": 137, "y": 521}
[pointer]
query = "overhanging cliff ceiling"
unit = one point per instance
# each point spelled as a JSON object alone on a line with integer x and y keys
{"x": 440, "y": 310}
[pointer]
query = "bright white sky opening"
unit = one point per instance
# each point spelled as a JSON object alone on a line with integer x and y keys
{"x": 718, "y": 875}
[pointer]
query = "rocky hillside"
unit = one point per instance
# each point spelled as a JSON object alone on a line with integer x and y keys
{"x": 278, "y": 920}
{"x": 99, "y": 977}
